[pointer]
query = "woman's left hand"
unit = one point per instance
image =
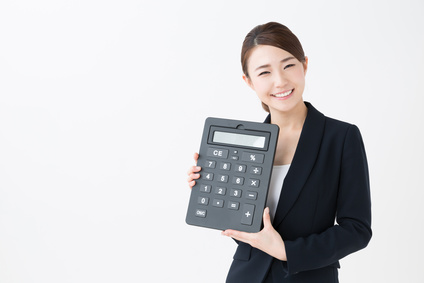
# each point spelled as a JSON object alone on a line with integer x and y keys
{"x": 267, "y": 240}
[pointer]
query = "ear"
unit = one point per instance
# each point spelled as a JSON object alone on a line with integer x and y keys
{"x": 248, "y": 81}
{"x": 305, "y": 64}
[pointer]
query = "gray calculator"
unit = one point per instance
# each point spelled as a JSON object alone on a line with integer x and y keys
{"x": 236, "y": 159}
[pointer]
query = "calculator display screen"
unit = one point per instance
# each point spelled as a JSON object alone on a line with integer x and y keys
{"x": 239, "y": 139}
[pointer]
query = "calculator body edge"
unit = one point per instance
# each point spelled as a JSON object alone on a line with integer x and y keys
{"x": 236, "y": 159}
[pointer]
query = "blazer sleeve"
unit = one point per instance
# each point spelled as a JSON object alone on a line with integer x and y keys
{"x": 353, "y": 229}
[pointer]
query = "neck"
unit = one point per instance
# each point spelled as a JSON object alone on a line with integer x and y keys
{"x": 292, "y": 119}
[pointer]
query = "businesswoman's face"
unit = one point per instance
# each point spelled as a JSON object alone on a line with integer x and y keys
{"x": 277, "y": 77}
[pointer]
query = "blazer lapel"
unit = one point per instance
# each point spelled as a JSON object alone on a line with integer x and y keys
{"x": 302, "y": 163}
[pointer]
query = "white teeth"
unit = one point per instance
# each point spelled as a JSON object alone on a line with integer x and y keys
{"x": 283, "y": 94}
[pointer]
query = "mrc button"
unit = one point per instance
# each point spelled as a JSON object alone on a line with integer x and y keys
{"x": 216, "y": 152}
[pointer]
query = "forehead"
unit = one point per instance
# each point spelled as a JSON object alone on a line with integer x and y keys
{"x": 266, "y": 54}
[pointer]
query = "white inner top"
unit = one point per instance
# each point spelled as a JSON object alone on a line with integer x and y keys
{"x": 279, "y": 173}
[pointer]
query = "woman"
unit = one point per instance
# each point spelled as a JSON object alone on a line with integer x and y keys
{"x": 320, "y": 174}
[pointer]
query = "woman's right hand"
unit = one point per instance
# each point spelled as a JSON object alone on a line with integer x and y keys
{"x": 193, "y": 172}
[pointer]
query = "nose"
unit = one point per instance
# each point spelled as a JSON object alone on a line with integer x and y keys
{"x": 280, "y": 80}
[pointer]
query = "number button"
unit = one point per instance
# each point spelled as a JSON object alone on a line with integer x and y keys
{"x": 208, "y": 176}
{"x": 238, "y": 180}
{"x": 203, "y": 200}
{"x": 205, "y": 188}
{"x": 210, "y": 164}
{"x": 235, "y": 193}
{"x": 225, "y": 166}
{"x": 240, "y": 168}
{"x": 223, "y": 178}
{"x": 220, "y": 190}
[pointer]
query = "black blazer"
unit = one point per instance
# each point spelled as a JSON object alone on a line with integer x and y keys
{"x": 327, "y": 181}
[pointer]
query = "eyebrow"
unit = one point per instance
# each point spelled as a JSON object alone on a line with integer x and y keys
{"x": 282, "y": 61}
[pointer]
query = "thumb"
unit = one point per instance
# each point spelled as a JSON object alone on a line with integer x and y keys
{"x": 267, "y": 218}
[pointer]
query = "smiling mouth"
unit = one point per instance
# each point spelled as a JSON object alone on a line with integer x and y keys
{"x": 283, "y": 94}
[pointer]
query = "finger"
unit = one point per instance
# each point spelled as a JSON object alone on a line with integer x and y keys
{"x": 191, "y": 184}
{"x": 196, "y": 157}
{"x": 238, "y": 235}
{"x": 267, "y": 218}
{"x": 193, "y": 169}
{"x": 193, "y": 177}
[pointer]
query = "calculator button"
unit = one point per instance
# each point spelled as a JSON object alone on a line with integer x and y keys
{"x": 218, "y": 203}
{"x": 238, "y": 181}
{"x": 252, "y": 195}
{"x": 255, "y": 170}
{"x": 220, "y": 191}
{"x": 215, "y": 152}
{"x": 235, "y": 193}
{"x": 205, "y": 188}
{"x": 233, "y": 205}
{"x": 225, "y": 166}
{"x": 200, "y": 213}
{"x": 203, "y": 200}
{"x": 208, "y": 176}
{"x": 253, "y": 157}
{"x": 247, "y": 216}
{"x": 254, "y": 183}
{"x": 210, "y": 164}
{"x": 223, "y": 178}
{"x": 240, "y": 168}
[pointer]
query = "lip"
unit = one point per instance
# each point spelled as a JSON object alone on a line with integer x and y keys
{"x": 282, "y": 92}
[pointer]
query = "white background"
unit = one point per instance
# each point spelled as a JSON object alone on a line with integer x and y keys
{"x": 102, "y": 105}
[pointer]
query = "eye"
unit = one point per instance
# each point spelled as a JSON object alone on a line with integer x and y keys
{"x": 288, "y": 66}
{"x": 263, "y": 73}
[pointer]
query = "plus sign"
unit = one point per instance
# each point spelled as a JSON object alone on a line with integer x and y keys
{"x": 247, "y": 214}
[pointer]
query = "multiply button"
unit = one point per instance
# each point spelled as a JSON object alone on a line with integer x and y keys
{"x": 248, "y": 212}
{"x": 252, "y": 157}
{"x": 254, "y": 183}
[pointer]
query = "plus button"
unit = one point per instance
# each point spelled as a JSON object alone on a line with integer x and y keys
{"x": 248, "y": 213}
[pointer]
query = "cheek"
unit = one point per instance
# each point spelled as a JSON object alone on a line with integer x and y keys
{"x": 299, "y": 78}
{"x": 260, "y": 86}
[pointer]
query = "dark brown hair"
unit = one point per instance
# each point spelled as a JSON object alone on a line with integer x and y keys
{"x": 274, "y": 34}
